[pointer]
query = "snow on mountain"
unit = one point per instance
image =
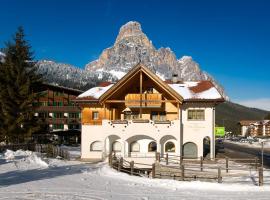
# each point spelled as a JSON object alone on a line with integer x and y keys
{"x": 132, "y": 46}
{"x": 70, "y": 76}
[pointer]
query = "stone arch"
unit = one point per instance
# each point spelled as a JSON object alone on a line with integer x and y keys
{"x": 140, "y": 143}
{"x": 96, "y": 146}
{"x": 190, "y": 150}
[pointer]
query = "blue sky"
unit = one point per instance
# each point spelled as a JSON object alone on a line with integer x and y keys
{"x": 230, "y": 39}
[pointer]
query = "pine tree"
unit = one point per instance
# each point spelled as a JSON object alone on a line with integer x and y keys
{"x": 267, "y": 116}
{"x": 18, "y": 81}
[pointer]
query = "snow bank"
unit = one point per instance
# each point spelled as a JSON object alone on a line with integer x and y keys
{"x": 25, "y": 159}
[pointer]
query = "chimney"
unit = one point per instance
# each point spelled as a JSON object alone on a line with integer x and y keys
{"x": 175, "y": 78}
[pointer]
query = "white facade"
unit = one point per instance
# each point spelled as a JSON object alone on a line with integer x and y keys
{"x": 180, "y": 132}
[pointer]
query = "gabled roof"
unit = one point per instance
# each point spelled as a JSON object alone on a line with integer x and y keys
{"x": 202, "y": 91}
{"x": 134, "y": 71}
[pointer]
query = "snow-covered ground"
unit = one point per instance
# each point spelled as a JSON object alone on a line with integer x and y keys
{"x": 26, "y": 175}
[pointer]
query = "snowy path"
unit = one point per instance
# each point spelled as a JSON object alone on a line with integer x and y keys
{"x": 29, "y": 177}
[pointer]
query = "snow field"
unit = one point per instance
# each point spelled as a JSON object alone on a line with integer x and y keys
{"x": 24, "y": 175}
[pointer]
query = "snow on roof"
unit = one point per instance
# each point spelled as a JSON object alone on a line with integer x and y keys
{"x": 95, "y": 92}
{"x": 188, "y": 90}
{"x": 196, "y": 90}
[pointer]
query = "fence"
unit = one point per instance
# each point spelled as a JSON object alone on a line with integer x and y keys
{"x": 183, "y": 169}
{"x": 49, "y": 149}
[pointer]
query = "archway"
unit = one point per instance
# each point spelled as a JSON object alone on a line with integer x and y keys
{"x": 164, "y": 140}
{"x": 152, "y": 146}
{"x": 135, "y": 147}
{"x": 206, "y": 146}
{"x": 109, "y": 143}
{"x": 190, "y": 150}
{"x": 116, "y": 146}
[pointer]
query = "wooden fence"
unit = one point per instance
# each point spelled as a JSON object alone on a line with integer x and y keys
{"x": 48, "y": 149}
{"x": 183, "y": 169}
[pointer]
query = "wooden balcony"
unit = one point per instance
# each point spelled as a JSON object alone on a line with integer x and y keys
{"x": 57, "y": 109}
{"x": 63, "y": 120}
{"x": 148, "y": 100}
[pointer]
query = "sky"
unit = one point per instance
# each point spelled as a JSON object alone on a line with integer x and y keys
{"x": 230, "y": 39}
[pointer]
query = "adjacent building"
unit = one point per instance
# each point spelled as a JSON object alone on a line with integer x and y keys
{"x": 56, "y": 107}
{"x": 142, "y": 114}
{"x": 255, "y": 128}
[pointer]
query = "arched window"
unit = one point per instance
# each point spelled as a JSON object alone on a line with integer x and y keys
{"x": 96, "y": 146}
{"x": 134, "y": 147}
{"x": 116, "y": 146}
{"x": 169, "y": 147}
{"x": 152, "y": 147}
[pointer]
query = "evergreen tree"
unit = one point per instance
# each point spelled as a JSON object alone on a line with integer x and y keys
{"x": 18, "y": 81}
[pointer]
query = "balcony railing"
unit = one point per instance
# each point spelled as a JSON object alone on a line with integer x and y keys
{"x": 63, "y": 120}
{"x": 148, "y": 100}
{"x": 57, "y": 109}
{"x": 93, "y": 122}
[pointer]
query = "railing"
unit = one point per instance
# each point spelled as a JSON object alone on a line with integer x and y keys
{"x": 178, "y": 168}
{"x": 148, "y": 100}
{"x": 57, "y": 109}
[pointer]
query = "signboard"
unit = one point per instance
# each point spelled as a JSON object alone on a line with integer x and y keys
{"x": 220, "y": 131}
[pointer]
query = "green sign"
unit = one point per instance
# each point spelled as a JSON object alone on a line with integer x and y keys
{"x": 220, "y": 131}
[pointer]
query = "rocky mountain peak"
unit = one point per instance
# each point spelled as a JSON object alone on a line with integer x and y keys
{"x": 133, "y": 46}
{"x": 130, "y": 29}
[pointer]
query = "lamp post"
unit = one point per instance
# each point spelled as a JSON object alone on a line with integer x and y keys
{"x": 262, "y": 152}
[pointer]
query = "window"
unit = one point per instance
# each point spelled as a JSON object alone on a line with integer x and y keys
{"x": 95, "y": 115}
{"x": 58, "y": 126}
{"x": 116, "y": 146}
{"x": 96, "y": 146}
{"x": 196, "y": 115}
{"x": 158, "y": 116}
{"x": 152, "y": 147}
{"x": 43, "y": 115}
{"x": 169, "y": 147}
{"x": 57, "y": 103}
{"x": 134, "y": 147}
{"x": 58, "y": 115}
{"x": 73, "y": 115}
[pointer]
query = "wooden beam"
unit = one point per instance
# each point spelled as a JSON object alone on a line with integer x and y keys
{"x": 104, "y": 107}
{"x": 178, "y": 111}
{"x": 140, "y": 94}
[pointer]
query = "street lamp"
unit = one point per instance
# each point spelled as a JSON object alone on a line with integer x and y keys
{"x": 262, "y": 150}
